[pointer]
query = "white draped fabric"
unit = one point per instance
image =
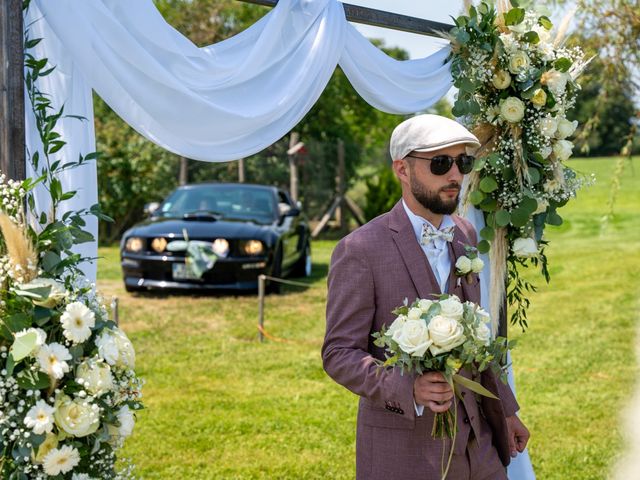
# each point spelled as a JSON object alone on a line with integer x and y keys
{"x": 217, "y": 103}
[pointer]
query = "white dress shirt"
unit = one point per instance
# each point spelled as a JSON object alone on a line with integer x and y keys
{"x": 437, "y": 253}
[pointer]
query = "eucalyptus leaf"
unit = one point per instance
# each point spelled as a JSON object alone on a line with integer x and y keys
{"x": 531, "y": 37}
{"x": 484, "y": 246}
{"x": 514, "y": 16}
{"x": 544, "y": 22}
{"x": 554, "y": 219}
{"x": 529, "y": 204}
{"x": 562, "y": 64}
{"x": 487, "y": 233}
{"x": 479, "y": 163}
{"x": 503, "y": 218}
{"x": 519, "y": 217}
{"x": 488, "y": 184}
{"x": 489, "y": 204}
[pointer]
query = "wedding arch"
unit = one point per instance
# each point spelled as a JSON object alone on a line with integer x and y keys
{"x": 216, "y": 103}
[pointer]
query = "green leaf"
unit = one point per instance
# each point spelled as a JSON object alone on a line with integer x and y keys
{"x": 29, "y": 380}
{"x": 479, "y": 163}
{"x": 531, "y": 37}
{"x": 508, "y": 173}
{"x": 494, "y": 160}
{"x": 503, "y": 218}
{"x": 562, "y": 64}
{"x": 476, "y": 197}
{"x": 488, "y": 184}
{"x": 514, "y": 16}
{"x": 50, "y": 261}
{"x": 544, "y": 22}
{"x": 484, "y": 246}
{"x": 519, "y": 217}
{"x": 488, "y": 233}
{"x": 529, "y": 204}
{"x": 489, "y": 204}
{"x": 459, "y": 108}
{"x": 473, "y": 386}
{"x": 23, "y": 345}
{"x": 554, "y": 219}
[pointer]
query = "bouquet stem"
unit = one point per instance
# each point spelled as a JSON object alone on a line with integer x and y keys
{"x": 445, "y": 426}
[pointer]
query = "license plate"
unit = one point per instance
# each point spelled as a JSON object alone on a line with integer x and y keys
{"x": 181, "y": 272}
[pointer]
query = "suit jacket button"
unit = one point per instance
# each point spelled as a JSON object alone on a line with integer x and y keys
{"x": 466, "y": 420}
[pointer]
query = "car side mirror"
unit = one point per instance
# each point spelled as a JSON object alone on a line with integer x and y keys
{"x": 150, "y": 208}
{"x": 292, "y": 212}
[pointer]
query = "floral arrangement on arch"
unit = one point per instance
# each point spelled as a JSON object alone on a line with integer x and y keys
{"x": 517, "y": 82}
{"x": 67, "y": 386}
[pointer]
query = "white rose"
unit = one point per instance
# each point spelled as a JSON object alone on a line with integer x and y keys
{"x": 95, "y": 376}
{"x": 512, "y": 109}
{"x": 525, "y": 247}
{"x": 413, "y": 338}
{"x": 546, "y": 51}
{"x": 518, "y": 62}
{"x": 556, "y": 81}
{"x": 414, "y": 313}
{"x": 463, "y": 265}
{"x": 78, "y": 417}
{"x": 548, "y": 126}
{"x": 126, "y": 420}
{"x": 542, "y": 206}
{"x": 115, "y": 348}
{"x": 396, "y": 325}
{"x": 545, "y": 151}
{"x": 451, "y": 308}
{"x": 563, "y": 149}
{"x": 501, "y": 79}
{"x": 56, "y": 295}
{"x": 425, "y": 305}
{"x": 566, "y": 128}
{"x": 477, "y": 265}
{"x": 484, "y": 315}
{"x": 446, "y": 333}
{"x": 539, "y": 98}
{"x": 482, "y": 333}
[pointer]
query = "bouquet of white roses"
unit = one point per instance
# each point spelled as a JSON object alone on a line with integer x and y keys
{"x": 68, "y": 391}
{"x": 444, "y": 335}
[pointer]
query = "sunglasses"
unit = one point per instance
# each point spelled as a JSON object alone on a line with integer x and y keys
{"x": 441, "y": 164}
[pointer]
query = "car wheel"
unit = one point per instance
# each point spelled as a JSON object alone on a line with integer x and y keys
{"x": 303, "y": 265}
{"x": 276, "y": 272}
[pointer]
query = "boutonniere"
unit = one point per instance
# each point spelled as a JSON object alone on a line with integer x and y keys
{"x": 468, "y": 264}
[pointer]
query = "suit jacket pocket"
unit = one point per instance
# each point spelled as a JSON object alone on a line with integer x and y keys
{"x": 374, "y": 416}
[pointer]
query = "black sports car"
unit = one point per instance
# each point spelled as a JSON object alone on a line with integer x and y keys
{"x": 217, "y": 236}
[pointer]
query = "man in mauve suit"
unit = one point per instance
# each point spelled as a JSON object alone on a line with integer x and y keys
{"x": 410, "y": 252}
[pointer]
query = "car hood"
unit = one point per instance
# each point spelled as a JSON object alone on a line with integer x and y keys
{"x": 164, "y": 227}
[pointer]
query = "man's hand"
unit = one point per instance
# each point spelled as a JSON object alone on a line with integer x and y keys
{"x": 433, "y": 391}
{"x": 518, "y": 435}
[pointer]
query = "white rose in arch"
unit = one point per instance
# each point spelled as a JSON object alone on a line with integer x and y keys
{"x": 78, "y": 417}
{"x": 413, "y": 338}
{"x": 451, "y": 308}
{"x": 518, "y": 62}
{"x": 95, "y": 375}
{"x": 501, "y": 79}
{"x": 525, "y": 247}
{"x": 548, "y": 126}
{"x": 566, "y": 128}
{"x": 556, "y": 81}
{"x": 127, "y": 421}
{"x": 512, "y": 109}
{"x": 446, "y": 334}
{"x": 477, "y": 265}
{"x": 545, "y": 151}
{"x": 463, "y": 265}
{"x": 563, "y": 149}
{"x": 396, "y": 325}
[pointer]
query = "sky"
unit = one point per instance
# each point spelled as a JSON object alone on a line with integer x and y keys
{"x": 418, "y": 46}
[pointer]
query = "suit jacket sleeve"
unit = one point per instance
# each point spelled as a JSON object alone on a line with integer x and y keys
{"x": 350, "y": 315}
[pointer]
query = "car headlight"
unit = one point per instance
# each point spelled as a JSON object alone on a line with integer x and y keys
{"x": 134, "y": 244}
{"x": 159, "y": 244}
{"x": 220, "y": 247}
{"x": 253, "y": 247}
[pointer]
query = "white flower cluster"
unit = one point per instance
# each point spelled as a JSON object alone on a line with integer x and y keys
{"x": 68, "y": 380}
{"x": 436, "y": 327}
{"x": 11, "y": 197}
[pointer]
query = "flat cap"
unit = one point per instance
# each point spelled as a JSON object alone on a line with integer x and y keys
{"x": 426, "y": 133}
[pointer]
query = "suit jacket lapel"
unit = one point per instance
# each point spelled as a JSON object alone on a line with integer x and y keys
{"x": 412, "y": 254}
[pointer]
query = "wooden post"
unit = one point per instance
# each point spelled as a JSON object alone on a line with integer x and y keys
{"x": 12, "y": 138}
{"x": 241, "y": 177}
{"x": 261, "y": 291}
{"x": 183, "y": 179}
{"x": 341, "y": 188}
{"x": 293, "y": 166}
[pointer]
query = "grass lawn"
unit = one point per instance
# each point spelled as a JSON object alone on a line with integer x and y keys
{"x": 220, "y": 405}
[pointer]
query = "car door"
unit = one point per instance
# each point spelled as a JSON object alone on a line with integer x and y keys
{"x": 290, "y": 231}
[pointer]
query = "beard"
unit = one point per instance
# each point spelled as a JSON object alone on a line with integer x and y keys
{"x": 431, "y": 200}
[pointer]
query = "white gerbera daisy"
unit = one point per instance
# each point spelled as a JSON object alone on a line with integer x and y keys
{"x": 53, "y": 360}
{"x": 61, "y": 460}
{"x": 77, "y": 322}
{"x": 40, "y": 417}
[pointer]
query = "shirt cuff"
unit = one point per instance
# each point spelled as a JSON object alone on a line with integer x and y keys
{"x": 419, "y": 409}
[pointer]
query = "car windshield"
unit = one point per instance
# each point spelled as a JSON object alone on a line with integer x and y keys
{"x": 226, "y": 201}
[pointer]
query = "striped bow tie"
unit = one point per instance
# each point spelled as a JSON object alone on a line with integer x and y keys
{"x": 429, "y": 234}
